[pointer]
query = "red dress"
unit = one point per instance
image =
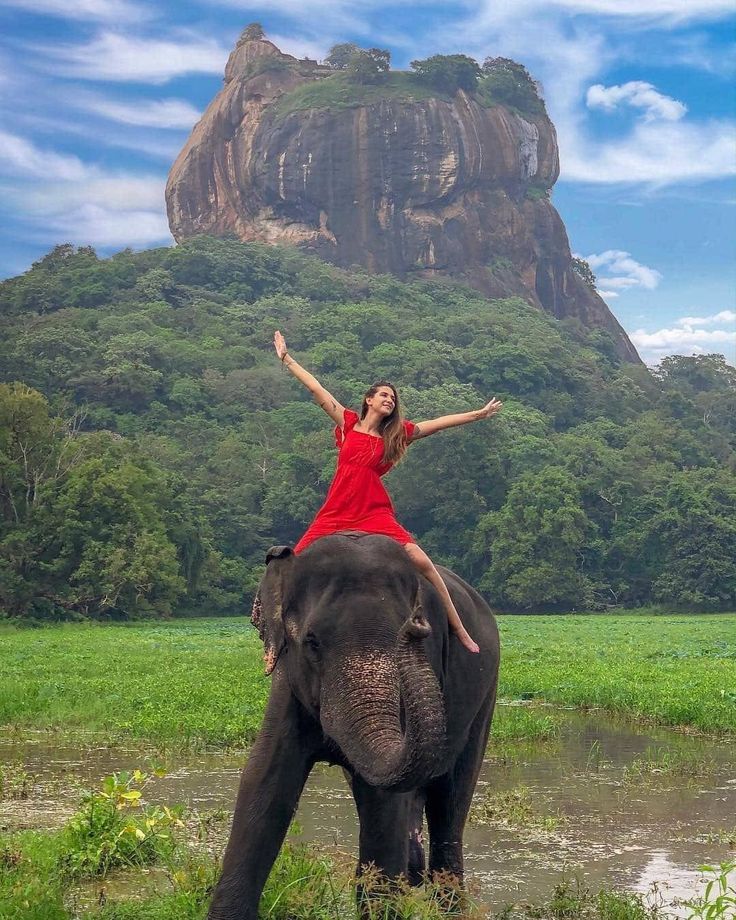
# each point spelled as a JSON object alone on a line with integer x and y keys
{"x": 356, "y": 499}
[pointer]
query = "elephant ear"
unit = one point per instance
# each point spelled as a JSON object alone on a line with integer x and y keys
{"x": 267, "y": 613}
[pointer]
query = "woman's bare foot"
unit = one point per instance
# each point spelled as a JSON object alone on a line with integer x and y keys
{"x": 464, "y": 637}
{"x": 425, "y": 565}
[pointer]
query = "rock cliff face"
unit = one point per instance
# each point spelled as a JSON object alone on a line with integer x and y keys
{"x": 423, "y": 186}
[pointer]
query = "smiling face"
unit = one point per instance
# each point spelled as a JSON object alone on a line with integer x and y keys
{"x": 382, "y": 398}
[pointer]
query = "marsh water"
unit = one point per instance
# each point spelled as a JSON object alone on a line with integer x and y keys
{"x": 613, "y": 803}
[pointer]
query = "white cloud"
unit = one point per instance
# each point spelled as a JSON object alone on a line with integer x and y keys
{"x": 118, "y": 57}
{"x": 58, "y": 196}
{"x": 695, "y": 51}
{"x": 687, "y": 336}
{"x": 113, "y": 191}
{"x": 673, "y": 10}
{"x": 20, "y": 157}
{"x": 568, "y": 54}
{"x": 319, "y": 17}
{"x": 621, "y": 272}
{"x": 160, "y": 145}
{"x": 152, "y": 113}
{"x": 118, "y": 11}
{"x": 725, "y": 316}
{"x": 639, "y": 95}
{"x": 100, "y": 226}
{"x": 681, "y": 341}
{"x": 657, "y": 153}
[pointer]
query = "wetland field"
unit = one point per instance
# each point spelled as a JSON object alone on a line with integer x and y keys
{"x": 609, "y": 780}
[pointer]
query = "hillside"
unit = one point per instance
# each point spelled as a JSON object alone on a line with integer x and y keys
{"x": 192, "y": 451}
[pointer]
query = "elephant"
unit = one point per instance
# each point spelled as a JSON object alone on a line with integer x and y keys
{"x": 365, "y": 675}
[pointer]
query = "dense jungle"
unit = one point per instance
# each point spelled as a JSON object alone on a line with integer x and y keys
{"x": 152, "y": 448}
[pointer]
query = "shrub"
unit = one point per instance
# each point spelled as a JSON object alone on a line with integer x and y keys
{"x": 449, "y": 72}
{"x": 508, "y": 83}
{"x": 583, "y": 270}
{"x": 114, "y": 829}
{"x": 253, "y": 33}
{"x": 338, "y": 57}
{"x": 368, "y": 66}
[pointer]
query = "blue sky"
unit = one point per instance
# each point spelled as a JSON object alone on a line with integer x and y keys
{"x": 98, "y": 96}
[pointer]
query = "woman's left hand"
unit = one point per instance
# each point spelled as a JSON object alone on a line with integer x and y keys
{"x": 490, "y": 409}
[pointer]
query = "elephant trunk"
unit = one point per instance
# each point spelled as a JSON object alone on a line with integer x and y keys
{"x": 361, "y": 709}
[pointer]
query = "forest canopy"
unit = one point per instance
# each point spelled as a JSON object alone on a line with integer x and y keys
{"x": 152, "y": 448}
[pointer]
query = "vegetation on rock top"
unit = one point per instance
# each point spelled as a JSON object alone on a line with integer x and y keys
{"x": 363, "y": 77}
{"x": 506, "y": 84}
{"x": 339, "y": 91}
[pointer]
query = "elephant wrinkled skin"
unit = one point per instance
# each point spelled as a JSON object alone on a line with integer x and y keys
{"x": 365, "y": 675}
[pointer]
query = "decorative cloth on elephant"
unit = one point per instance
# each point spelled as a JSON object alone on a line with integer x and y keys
{"x": 356, "y": 499}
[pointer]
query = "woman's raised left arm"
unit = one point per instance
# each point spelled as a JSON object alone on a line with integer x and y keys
{"x": 431, "y": 426}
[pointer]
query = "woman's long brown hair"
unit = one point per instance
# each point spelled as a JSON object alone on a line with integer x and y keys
{"x": 392, "y": 427}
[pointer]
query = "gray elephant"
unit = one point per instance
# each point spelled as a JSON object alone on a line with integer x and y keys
{"x": 366, "y": 676}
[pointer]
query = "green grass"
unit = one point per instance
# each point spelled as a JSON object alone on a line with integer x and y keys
{"x": 512, "y": 808}
{"x": 519, "y": 723}
{"x": 201, "y": 682}
{"x": 15, "y": 781}
{"x": 175, "y": 683}
{"x": 659, "y": 763}
{"x": 304, "y": 885}
{"x": 671, "y": 670}
{"x": 339, "y": 92}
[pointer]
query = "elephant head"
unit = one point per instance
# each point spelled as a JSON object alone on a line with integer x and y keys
{"x": 344, "y": 620}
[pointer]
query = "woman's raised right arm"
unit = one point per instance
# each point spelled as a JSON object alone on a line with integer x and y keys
{"x": 324, "y": 399}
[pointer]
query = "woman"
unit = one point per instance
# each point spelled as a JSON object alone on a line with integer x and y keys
{"x": 370, "y": 445}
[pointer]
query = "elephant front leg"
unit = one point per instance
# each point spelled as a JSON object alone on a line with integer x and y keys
{"x": 270, "y": 785}
{"x": 417, "y": 863}
{"x": 384, "y": 843}
{"x": 448, "y": 803}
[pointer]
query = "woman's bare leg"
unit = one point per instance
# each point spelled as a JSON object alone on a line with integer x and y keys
{"x": 425, "y": 565}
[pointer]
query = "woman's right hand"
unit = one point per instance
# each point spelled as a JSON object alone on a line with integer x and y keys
{"x": 279, "y": 343}
{"x": 322, "y": 397}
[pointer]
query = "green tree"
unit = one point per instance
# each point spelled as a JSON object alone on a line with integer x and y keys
{"x": 85, "y": 525}
{"x": 252, "y": 33}
{"x": 36, "y": 450}
{"x": 448, "y": 72}
{"x": 368, "y": 66}
{"x": 111, "y": 552}
{"x": 702, "y": 387}
{"x": 681, "y": 537}
{"x": 583, "y": 270}
{"x": 536, "y": 545}
{"x": 169, "y": 371}
{"x": 339, "y": 56}
{"x": 511, "y": 84}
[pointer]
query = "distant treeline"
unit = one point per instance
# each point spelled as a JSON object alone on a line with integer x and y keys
{"x": 152, "y": 448}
